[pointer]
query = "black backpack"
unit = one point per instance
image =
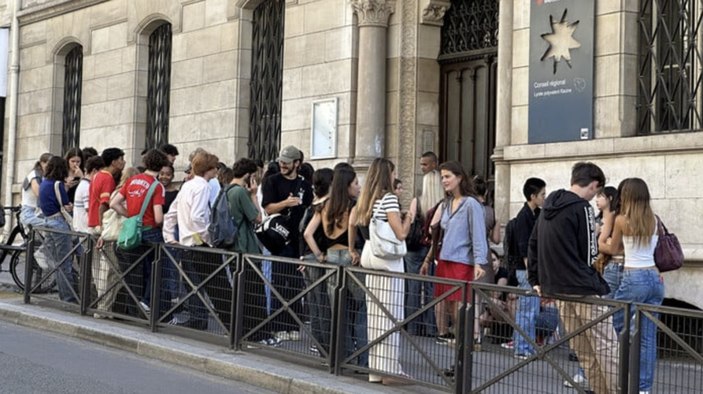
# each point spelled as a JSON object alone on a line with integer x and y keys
{"x": 510, "y": 246}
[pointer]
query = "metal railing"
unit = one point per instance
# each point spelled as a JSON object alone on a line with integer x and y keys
{"x": 196, "y": 289}
{"x": 120, "y": 282}
{"x": 297, "y": 288}
{"x": 353, "y": 319}
{"x": 65, "y": 255}
{"x": 390, "y": 349}
{"x": 528, "y": 349}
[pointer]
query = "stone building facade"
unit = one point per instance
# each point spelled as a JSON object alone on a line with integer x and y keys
{"x": 405, "y": 76}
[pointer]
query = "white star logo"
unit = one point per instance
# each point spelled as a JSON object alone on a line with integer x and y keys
{"x": 560, "y": 40}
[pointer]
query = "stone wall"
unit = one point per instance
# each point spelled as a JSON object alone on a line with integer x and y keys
{"x": 668, "y": 163}
{"x": 209, "y": 57}
{"x": 320, "y": 62}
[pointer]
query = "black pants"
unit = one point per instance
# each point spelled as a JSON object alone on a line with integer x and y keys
{"x": 288, "y": 281}
{"x": 198, "y": 265}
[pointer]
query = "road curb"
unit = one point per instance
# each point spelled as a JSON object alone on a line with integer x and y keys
{"x": 203, "y": 358}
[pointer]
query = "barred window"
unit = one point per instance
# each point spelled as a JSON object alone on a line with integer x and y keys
{"x": 159, "y": 86}
{"x": 670, "y": 92}
{"x": 73, "y": 78}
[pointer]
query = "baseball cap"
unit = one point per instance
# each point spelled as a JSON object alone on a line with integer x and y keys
{"x": 289, "y": 154}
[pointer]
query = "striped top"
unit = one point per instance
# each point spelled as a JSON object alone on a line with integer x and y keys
{"x": 389, "y": 203}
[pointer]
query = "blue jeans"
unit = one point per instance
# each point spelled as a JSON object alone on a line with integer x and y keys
{"x": 318, "y": 304}
{"x": 643, "y": 286}
{"x": 547, "y": 321}
{"x": 525, "y": 317}
{"x": 356, "y": 334}
{"x": 418, "y": 294}
{"x": 613, "y": 276}
{"x": 58, "y": 249}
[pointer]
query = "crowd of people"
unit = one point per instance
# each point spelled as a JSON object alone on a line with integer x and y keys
{"x": 449, "y": 231}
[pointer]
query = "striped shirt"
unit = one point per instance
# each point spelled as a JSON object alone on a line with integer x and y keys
{"x": 389, "y": 203}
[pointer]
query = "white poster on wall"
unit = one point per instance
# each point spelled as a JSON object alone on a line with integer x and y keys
{"x": 4, "y": 51}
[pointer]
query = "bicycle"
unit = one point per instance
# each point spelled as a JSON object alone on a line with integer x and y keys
{"x": 18, "y": 259}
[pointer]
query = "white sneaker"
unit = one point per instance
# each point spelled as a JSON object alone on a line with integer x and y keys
{"x": 579, "y": 379}
{"x": 282, "y": 336}
{"x": 145, "y": 306}
{"x": 293, "y": 335}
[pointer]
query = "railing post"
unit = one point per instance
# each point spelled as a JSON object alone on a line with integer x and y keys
{"x": 635, "y": 338}
{"x": 238, "y": 296}
{"x": 235, "y": 301}
{"x": 86, "y": 264}
{"x": 624, "y": 340}
{"x": 28, "y": 266}
{"x": 155, "y": 286}
{"x": 337, "y": 349}
{"x": 465, "y": 345}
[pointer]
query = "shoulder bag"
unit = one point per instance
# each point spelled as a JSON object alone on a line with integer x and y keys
{"x": 131, "y": 232}
{"x": 668, "y": 255}
{"x": 66, "y": 216}
{"x": 384, "y": 244}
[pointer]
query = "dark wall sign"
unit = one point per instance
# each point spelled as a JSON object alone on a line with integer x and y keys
{"x": 561, "y": 70}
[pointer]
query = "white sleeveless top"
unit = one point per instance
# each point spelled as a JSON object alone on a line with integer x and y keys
{"x": 640, "y": 256}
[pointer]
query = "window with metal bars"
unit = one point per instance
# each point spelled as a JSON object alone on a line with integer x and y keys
{"x": 266, "y": 81}
{"x": 670, "y": 92}
{"x": 159, "y": 86}
{"x": 73, "y": 78}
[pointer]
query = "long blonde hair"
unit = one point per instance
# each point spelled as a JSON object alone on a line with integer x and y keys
{"x": 432, "y": 191}
{"x": 378, "y": 183}
{"x": 635, "y": 207}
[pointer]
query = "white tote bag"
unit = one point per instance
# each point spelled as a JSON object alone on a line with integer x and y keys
{"x": 384, "y": 243}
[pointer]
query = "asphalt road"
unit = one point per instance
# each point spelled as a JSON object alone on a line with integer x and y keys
{"x": 35, "y": 362}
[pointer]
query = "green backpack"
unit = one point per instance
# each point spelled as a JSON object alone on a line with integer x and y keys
{"x": 131, "y": 232}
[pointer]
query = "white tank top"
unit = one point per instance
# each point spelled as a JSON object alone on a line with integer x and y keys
{"x": 28, "y": 197}
{"x": 640, "y": 256}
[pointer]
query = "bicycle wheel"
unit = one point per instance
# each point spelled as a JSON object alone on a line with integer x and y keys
{"x": 18, "y": 268}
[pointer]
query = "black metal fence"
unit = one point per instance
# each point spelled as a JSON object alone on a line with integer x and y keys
{"x": 357, "y": 320}
{"x": 286, "y": 308}
{"x": 64, "y": 256}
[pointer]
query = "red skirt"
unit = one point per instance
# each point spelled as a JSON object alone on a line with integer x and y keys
{"x": 452, "y": 270}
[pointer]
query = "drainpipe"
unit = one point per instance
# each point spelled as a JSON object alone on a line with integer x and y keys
{"x": 9, "y": 167}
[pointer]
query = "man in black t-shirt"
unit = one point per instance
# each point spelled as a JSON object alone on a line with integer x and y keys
{"x": 290, "y": 194}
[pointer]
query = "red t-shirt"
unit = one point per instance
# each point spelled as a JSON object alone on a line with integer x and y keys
{"x": 134, "y": 192}
{"x": 101, "y": 187}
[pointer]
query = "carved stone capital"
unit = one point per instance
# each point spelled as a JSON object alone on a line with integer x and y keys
{"x": 373, "y": 12}
{"x": 433, "y": 11}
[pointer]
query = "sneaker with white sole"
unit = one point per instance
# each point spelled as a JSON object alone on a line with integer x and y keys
{"x": 293, "y": 335}
{"x": 282, "y": 336}
{"x": 145, "y": 307}
{"x": 579, "y": 379}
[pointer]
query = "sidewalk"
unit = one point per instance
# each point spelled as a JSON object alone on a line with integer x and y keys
{"x": 254, "y": 369}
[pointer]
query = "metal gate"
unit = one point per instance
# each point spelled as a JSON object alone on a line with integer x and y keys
{"x": 468, "y": 85}
{"x": 266, "y": 80}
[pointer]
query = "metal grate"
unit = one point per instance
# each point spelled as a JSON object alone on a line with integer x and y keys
{"x": 73, "y": 77}
{"x": 469, "y": 26}
{"x": 266, "y": 81}
{"x": 669, "y": 92}
{"x": 159, "y": 86}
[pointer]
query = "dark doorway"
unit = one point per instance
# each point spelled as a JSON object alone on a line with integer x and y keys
{"x": 468, "y": 85}
{"x": 266, "y": 81}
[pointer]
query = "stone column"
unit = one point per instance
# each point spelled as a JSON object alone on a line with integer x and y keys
{"x": 504, "y": 109}
{"x": 373, "y": 16}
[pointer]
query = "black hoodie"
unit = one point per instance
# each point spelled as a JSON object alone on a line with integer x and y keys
{"x": 563, "y": 247}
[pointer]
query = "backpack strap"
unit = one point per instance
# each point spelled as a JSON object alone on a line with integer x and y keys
{"x": 148, "y": 198}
